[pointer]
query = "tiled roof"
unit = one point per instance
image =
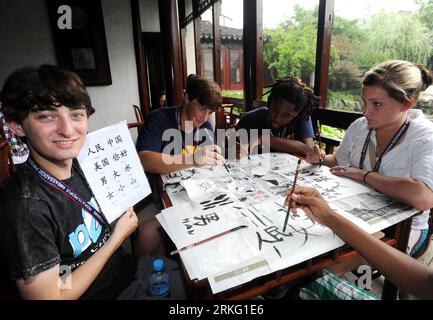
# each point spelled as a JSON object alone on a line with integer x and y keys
{"x": 227, "y": 33}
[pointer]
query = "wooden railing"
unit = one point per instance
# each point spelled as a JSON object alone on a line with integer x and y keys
{"x": 227, "y": 116}
{"x": 336, "y": 119}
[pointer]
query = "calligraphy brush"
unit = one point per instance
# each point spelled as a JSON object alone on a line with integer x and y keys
{"x": 298, "y": 169}
{"x": 213, "y": 142}
{"x": 320, "y": 142}
{"x": 207, "y": 239}
{"x": 225, "y": 166}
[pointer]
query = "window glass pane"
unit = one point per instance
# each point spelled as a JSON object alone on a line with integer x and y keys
{"x": 231, "y": 22}
{"x": 235, "y": 67}
{"x": 149, "y": 16}
{"x": 208, "y": 63}
{"x": 188, "y": 7}
{"x": 206, "y": 42}
{"x": 369, "y": 32}
{"x": 190, "y": 49}
{"x": 290, "y": 38}
{"x": 231, "y": 28}
{"x": 222, "y": 69}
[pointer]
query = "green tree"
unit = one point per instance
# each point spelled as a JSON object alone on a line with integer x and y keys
{"x": 292, "y": 48}
{"x": 349, "y": 29}
{"x": 395, "y": 36}
{"x": 425, "y": 13}
{"x": 345, "y": 73}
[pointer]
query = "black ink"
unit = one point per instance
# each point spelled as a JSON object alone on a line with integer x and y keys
{"x": 97, "y": 166}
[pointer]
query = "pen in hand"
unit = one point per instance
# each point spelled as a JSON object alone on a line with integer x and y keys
{"x": 213, "y": 142}
{"x": 225, "y": 166}
{"x": 298, "y": 169}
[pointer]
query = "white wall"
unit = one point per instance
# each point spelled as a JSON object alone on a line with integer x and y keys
{"x": 149, "y": 16}
{"x": 26, "y": 39}
{"x": 114, "y": 102}
{"x": 190, "y": 49}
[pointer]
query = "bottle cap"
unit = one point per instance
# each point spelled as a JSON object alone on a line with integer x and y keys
{"x": 158, "y": 264}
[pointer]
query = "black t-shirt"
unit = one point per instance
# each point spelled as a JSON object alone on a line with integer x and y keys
{"x": 161, "y": 130}
{"x": 258, "y": 119}
{"x": 41, "y": 227}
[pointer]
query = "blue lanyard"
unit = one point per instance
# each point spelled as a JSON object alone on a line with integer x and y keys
{"x": 67, "y": 191}
{"x": 401, "y": 131}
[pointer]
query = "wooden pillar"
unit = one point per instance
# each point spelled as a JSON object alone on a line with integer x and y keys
{"x": 216, "y": 12}
{"x": 323, "y": 53}
{"x": 172, "y": 51}
{"x": 252, "y": 64}
{"x": 259, "y": 51}
{"x": 184, "y": 62}
{"x": 198, "y": 55}
{"x": 197, "y": 43}
{"x": 143, "y": 85}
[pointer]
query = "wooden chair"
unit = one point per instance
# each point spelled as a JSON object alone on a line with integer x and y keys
{"x": 4, "y": 162}
{"x": 224, "y": 117}
{"x": 138, "y": 114}
{"x": 333, "y": 118}
{"x": 137, "y": 125}
{"x": 138, "y": 117}
{"x": 230, "y": 115}
{"x": 227, "y": 117}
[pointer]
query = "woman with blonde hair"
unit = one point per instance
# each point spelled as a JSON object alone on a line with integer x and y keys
{"x": 391, "y": 147}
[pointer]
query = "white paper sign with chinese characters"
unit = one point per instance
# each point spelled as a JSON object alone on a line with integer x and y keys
{"x": 112, "y": 168}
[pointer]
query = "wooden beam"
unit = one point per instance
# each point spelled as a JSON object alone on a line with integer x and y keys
{"x": 198, "y": 53}
{"x": 172, "y": 53}
{"x": 143, "y": 85}
{"x": 323, "y": 53}
{"x": 216, "y": 12}
{"x": 197, "y": 43}
{"x": 334, "y": 118}
{"x": 184, "y": 62}
{"x": 250, "y": 52}
{"x": 253, "y": 52}
{"x": 259, "y": 51}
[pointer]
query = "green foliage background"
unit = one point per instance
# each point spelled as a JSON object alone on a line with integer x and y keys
{"x": 357, "y": 45}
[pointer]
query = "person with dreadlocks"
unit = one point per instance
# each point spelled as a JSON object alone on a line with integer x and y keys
{"x": 290, "y": 104}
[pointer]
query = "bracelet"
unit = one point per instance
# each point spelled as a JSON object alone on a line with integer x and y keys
{"x": 365, "y": 175}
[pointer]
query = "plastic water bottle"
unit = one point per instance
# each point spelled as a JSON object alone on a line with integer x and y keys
{"x": 159, "y": 281}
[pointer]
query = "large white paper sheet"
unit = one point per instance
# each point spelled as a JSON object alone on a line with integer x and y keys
{"x": 301, "y": 240}
{"x": 190, "y": 223}
{"x": 254, "y": 191}
{"x": 245, "y": 189}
